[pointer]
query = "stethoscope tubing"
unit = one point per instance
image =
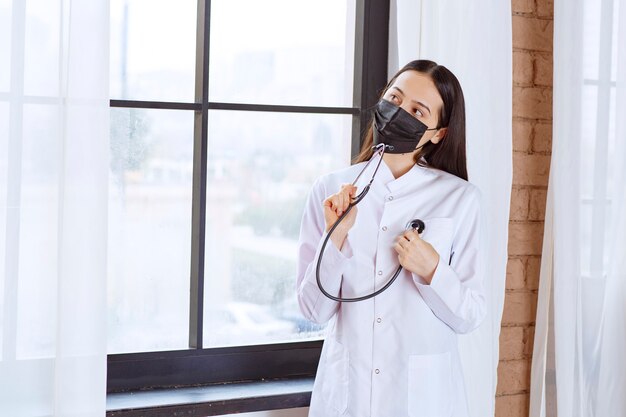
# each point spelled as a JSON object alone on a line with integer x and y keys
{"x": 381, "y": 150}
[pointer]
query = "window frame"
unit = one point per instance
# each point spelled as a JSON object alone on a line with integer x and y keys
{"x": 198, "y": 365}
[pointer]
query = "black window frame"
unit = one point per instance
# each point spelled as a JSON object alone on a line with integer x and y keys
{"x": 198, "y": 365}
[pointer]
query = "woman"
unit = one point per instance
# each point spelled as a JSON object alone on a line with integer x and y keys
{"x": 396, "y": 354}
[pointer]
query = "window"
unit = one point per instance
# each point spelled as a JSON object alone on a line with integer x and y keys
{"x": 223, "y": 113}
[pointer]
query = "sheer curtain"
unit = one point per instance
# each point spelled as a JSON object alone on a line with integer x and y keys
{"x": 54, "y": 148}
{"x": 579, "y": 362}
{"x": 456, "y": 35}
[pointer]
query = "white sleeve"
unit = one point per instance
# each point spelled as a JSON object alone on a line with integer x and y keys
{"x": 314, "y": 305}
{"x": 455, "y": 294}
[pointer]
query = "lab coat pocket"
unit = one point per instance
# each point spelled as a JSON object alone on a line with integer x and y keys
{"x": 336, "y": 378}
{"x": 430, "y": 385}
{"x": 439, "y": 232}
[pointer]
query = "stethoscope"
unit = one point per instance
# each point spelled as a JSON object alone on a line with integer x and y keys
{"x": 415, "y": 224}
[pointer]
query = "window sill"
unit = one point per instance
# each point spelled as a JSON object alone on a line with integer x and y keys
{"x": 212, "y": 400}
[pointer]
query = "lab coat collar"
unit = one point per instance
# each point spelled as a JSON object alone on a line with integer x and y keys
{"x": 412, "y": 177}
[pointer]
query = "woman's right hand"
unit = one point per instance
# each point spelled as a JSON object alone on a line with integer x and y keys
{"x": 334, "y": 207}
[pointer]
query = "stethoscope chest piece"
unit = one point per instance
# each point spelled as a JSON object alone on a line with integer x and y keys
{"x": 417, "y": 225}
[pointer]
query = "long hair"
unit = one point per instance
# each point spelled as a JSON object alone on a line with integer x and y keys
{"x": 449, "y": 154}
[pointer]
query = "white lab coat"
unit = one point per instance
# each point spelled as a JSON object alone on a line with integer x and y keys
{"x": 396, "y": 354}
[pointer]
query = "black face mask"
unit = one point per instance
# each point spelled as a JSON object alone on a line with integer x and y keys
{"x": 396, "y": 128}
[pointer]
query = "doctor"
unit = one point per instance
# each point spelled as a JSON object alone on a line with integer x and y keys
{"x": 396, "y": 354}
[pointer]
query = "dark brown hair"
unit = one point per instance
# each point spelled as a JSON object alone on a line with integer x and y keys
{"x": 449, "y": 154}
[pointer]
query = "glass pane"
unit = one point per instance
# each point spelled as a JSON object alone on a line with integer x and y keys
{"x": 261, "y": 168}
{"x": 5, "y": 45}
{"x": 282, "y": 52}
{"x": 38, "y": 222}
{"x": 153, "y": 50}
{"x": 42, "y": 48}
{"x": 149, "y": 229}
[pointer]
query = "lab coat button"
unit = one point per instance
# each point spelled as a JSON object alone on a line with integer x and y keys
{"x": 384, "y": 228}
{"x": 378, "y": 320}
{"x": 377, "y": 371}
{"x": 380, "y": 272}
{"x": 390, "y": 198}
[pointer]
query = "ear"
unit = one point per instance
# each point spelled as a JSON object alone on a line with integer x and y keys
{"x": 439, "y": 135}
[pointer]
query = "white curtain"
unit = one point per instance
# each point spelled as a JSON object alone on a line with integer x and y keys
{"x": 54, "y": 149}
{"x": 473, "y": 40}
{"x": 579, "y": 357}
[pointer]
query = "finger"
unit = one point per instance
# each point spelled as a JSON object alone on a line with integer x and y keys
{"x": 340, "y": 204}
{"x": 347, "y": 196}
{"x": 410, "y": 235}
{"x": 345, "y": 200}
{"x": 340, "y": 201}
{"x": 331, "y": 203}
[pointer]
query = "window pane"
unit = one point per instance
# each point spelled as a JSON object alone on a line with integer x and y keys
{"x": 5, "y": 45}
{"x": 149, "y": 229}
{"x": 261, "y": 168}
{"x": 153, "y": 49}
{"x": 282, "y": 52}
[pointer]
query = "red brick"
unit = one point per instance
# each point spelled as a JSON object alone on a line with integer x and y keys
{"x": 523, "y": 68}
{"x": 512, "y": 405}
{"x": 542, "y": 138}
{"x": 533, "y": 268}
{"x": 520, "y": 202}
{"x": 512, "y": 343}
{"x": 522, "y": 135}
{"x": 545, "y": 8}
{"x": 537, "y": 209}
{"x": 532, "y": 34}
{"x": 520, "y": 308}
{"x": 523, "y": 6}
{"x": 515, "y": 275}
{"x": 525, "y": 238}
{"x": 531, "y": 169}
{"x": 513, "y": 377}
{"x": 532, "y": 102}
{"x": 529, "y": 340}
{"x": 543, "y": 69}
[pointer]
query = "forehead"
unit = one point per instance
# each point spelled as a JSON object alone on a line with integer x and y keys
{"x": 419, "y": 87}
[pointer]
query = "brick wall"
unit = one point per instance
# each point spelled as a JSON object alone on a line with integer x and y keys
{"x": 532, "y": 133}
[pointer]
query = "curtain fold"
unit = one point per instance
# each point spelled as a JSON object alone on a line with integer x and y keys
{"x": 454, "y": 34}
{"x": 578, "y": 358}
{"x": 54, "y": 165}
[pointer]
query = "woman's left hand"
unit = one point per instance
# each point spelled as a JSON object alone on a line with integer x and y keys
{"x": 417, "y": 255}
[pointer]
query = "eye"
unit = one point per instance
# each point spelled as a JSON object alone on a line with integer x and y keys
{"x": 394, "y": 98}
{"x": 418, "y": 113}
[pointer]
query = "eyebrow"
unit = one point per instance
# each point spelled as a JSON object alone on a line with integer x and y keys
{"x": 416, "y": 102}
